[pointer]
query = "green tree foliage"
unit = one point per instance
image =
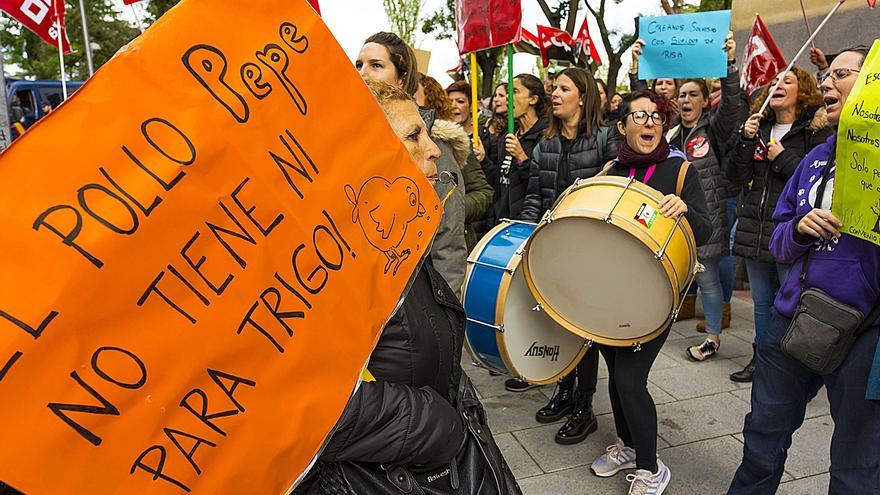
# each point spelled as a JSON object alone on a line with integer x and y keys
{"x": 404, "y": 17}
{"x": 158, "y": 7}
{"x": 35, "y": 58}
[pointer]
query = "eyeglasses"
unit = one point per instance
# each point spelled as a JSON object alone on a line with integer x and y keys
{"x": 840, "y": 73}
{"x": 640, "y": 117}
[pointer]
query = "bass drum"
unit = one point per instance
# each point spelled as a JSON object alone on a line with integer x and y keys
{"x": 505, "y": 333}
{"x": 607, "y": 266}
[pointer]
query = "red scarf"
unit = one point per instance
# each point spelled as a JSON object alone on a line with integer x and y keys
{"x": 632, "y": 158}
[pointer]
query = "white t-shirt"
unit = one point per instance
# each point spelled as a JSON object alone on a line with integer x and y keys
{"x": 779, "y": 131}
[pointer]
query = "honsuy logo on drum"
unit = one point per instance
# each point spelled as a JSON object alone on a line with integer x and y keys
{"x": 550, "y": 351}
{"x": 646, "y": 215}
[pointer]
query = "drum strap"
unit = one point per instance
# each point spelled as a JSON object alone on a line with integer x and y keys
{"x": 648, "y": 173}
{"x": 682, "y": 173}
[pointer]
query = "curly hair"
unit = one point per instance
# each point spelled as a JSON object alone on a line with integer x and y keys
{"x": 808, "y": 94}
{"x": 435, "y": 97}
{"x": 663, "y": 106}
{"x": 386, "y": 93}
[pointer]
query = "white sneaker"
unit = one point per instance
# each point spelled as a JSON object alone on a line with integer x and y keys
{"x": 616, "y": 458}
{"x": 644, "y": 482}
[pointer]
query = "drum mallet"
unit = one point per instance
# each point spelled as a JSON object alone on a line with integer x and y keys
{"x": 799, "y": 53}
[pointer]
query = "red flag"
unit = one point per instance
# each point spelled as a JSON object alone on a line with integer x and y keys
{"x": 314, "y": 4}
{"x": 555, "y": 44}
{"x": 762, "y": 59}
{"x": 484, "y": 24}
{"x": 129, "y": 2}
{"x": 529, "y": 37}
{"x": 585, "y": 43}
{"x": 39, "y": 16}
{"x": 872, "y": 3}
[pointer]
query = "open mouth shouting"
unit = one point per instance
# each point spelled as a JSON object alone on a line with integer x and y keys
{"x": 647, "y": 138}
{"x": 831, "y": 102}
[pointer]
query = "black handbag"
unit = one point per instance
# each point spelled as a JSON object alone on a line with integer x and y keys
{"x": 823, "y": 329}
{"x": 479, "y": 468}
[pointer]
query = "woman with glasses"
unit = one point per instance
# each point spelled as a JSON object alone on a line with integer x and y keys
{"x": 847, "y": 269}
{"x": 647, "y": 157}
{"x": 575, "y": 146}
{"x": 701, "y": 136}
{"x": 763, "y": 158}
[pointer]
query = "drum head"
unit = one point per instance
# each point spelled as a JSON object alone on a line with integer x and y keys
{"x": 536, "y": 347}
{"x": 599, "y": 279}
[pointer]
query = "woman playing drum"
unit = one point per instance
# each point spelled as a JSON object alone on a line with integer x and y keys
{"x": 647, "y": 157}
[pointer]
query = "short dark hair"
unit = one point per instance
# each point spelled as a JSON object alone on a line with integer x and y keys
{"x": 401, "y": 56}
{"x": 625, "y": 107}
{"x": 461, "y": 87}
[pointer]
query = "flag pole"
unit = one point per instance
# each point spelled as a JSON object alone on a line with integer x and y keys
{"x": 510, "y": 88}
{"x": 60, "y": 48}
{"x": 475, "y": 115}
{"x": 799, "y": 53}
{"x": 5, "y": 130}
{"x": 136, "y": 18}
{"x": 82, "y": 15}
{"x": 807, "y": 22}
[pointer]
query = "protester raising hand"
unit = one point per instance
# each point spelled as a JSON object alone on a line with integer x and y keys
{"x": 817, "y": 58}
{"x": 514, "y": 148}
{"x": 750, "y": 128}
{"x": 730, "y": 47}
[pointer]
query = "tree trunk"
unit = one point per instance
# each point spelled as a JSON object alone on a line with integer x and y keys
{"x": 488, "y": 66}
{"x": 572, "y": 16}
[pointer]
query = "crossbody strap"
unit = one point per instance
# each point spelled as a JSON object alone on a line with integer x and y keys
{"x": 682, "y": 173}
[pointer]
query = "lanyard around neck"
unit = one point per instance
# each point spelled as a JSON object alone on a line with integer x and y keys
{"x": 648, "y": 174}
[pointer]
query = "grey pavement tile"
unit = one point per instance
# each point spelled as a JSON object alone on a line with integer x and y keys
{"x": 812, "y": 485}
{"x": 490, "y": 386}
{"x": 742, "y": 309}
{"x": 819, "y": 406}
{"x": 697, "y": 379}
{"x": 702, "y": 467}
{"x": 513, "y": 411}
{"x": 575, "y": 481}
{"x": 521, "y": 463}
{"x": 551, "y": 456}
{"x": 701, "y": 418}
{"x": 809, "y": 454}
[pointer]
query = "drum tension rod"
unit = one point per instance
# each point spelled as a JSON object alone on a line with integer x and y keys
{"x": 489, "y": 265}
{"x": 619, "y": 199}
{"x": 659, "y": 254}
{"x": 538, "y": 308}
{"x": 497, "y": 328}
{"x": 637, "y": 347}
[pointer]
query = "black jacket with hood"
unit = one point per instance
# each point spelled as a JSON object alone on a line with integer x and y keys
{"x": 748, "y": 164}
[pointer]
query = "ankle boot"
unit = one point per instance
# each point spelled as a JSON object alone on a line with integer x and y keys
{"x": 745, "y": 375}
{"x": 725, "y": 320}
{"x": 560, "y": 404}
{"x": 581, "y": 423}
{"x": 688, "y": 308}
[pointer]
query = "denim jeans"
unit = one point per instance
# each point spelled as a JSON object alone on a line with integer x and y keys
{"x": 764, "y": 280}
{"x": 781, "y": 389}
{"x": 711, "y": 293}
{"x": 727, "y": 267}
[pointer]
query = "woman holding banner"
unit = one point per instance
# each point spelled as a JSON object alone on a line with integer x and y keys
{"x": 847, "y": 269}
{"x": 663, "y": 86}
{"x": 701, "y": 136}
{"x": 575, "y": 146}
{"x": 763, "y": 158}
{"x": 405, "y": 424}
{"x": 647, "y": 157}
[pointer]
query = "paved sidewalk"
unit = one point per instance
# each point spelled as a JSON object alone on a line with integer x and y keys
{"x": 700, "y": 414}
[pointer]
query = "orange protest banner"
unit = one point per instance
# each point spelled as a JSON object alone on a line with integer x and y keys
{"x": 199, "y": 251}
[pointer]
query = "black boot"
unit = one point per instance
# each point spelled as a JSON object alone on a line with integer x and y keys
{"x": 581, "y": 423}
{"x": 745, "y": 375}
{"x": 561, "y": 404}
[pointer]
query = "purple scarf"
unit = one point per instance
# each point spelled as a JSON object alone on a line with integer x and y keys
{"x": 632, "y": 158}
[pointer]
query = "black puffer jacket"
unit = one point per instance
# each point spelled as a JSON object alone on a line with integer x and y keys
{"x": 557, "y": 162}
{"x": 748, "y": 164}
{"x": 510, "y": 201}
{"x": 703, "y": 146}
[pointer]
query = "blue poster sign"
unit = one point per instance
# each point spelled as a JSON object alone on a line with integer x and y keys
{"x": 684, "y": 45}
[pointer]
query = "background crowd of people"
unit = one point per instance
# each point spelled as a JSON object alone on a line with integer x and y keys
{"x": 732, "y": 172}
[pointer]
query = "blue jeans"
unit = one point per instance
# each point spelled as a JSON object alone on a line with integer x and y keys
{"x": 781, "y": 389}
{"x": 764, "y": 281}
{"x": 710, "y": 290}
{"x": 727, "y": 267}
